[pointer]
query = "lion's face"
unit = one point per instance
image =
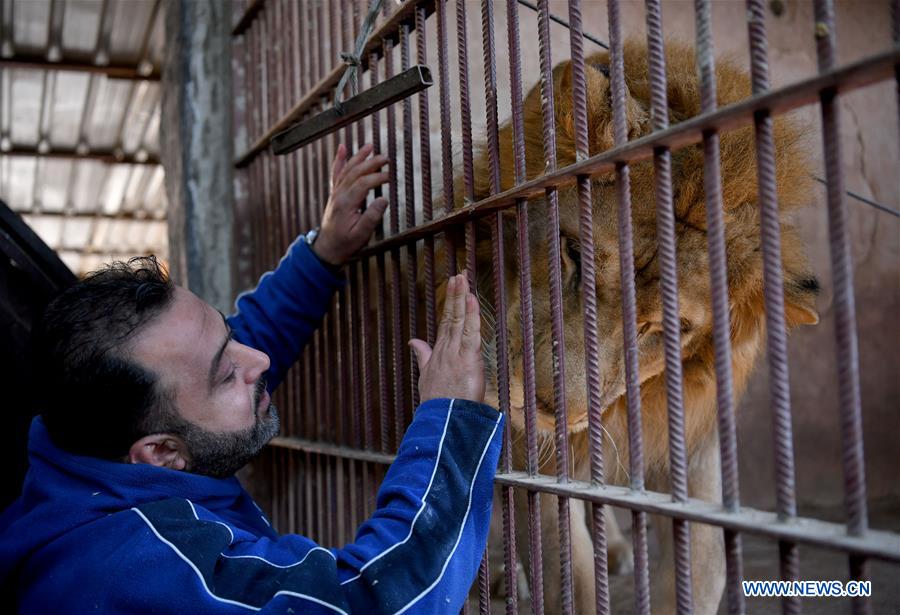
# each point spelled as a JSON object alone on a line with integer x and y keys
{"x": 695, "y": 315}
{"x": 745, "y": 272}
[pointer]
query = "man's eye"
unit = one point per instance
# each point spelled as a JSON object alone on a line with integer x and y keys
{"x": 230, "y": 376}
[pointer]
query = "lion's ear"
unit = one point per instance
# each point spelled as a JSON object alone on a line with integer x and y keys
{"x": 800, "y": 300}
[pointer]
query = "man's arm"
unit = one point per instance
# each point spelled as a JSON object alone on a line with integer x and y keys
{"x": 279, "y": 316}
{"x": 422, "y": 547}
{"x": 418, "y": 553}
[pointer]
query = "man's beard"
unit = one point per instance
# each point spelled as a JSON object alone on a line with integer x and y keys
{"x": 221, "y": 454}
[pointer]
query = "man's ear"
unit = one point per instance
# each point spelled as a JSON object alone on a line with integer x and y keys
{"x": 164, "y": 450}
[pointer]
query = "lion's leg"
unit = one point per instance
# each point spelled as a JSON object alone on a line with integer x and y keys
{"x": 497, "y": 555}
{"x": 707, "y": 545}
{"x": 582, "y": 552}
{"x": 620, "y": 554}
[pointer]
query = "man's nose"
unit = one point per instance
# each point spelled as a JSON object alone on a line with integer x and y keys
{"x": 257, "y": 363}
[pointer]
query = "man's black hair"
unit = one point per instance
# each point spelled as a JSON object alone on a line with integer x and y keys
{"x": 94, "y": 399}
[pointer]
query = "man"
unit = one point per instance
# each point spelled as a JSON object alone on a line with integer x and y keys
{"x": 152, "y": 400}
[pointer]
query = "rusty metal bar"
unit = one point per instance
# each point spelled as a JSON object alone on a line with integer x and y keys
{"x": 560, "y": 408}
{"x": 386, "y": 93}
{"x": 468, "y": 183}
{"x": 425, "y": 188}
{"x": 844, "y": 303}
{"x": 499, "y": 284}
{"x": 410, "y": 197}
{"x": 776, "y": 336}
{"x": 397, "y": 353}
{"x": 589, "y": 296}
{"x": 840, "y": 80}
{"x": 668, "y": 274}
{"x": 493, "y": 147}
{"x": 535, "y": 556}
{"x": 381, "y": 285}
{"x": 446, "y": 143}
{"x": 718, "y": 271}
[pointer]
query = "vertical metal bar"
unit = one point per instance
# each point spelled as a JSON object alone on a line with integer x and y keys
{"x": 412, "y": 293}
{"x": 396, "y": 281}
{"x": 499, "y": 283}
{"x": 665, "y": 224}
{"x": 558, "y": 348}
{"x": 322, "y": 65}
{"x": 776, "y": 336}
{"x": 589, "y": 290}
{"x": 446, "y": 166}
{"x": 493, "y": 144}
{"x": 718, "y": 271}
{"x": 466, "y": 127}
{"x": 536, "y": 580}
{"x": 356, "y": 319}
{"x": 446, "y": 137}
{"x": 381, "y": 288}
{"x": 853, "y": 461}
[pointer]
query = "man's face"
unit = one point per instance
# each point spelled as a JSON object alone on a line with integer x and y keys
{"x": 225, "y": 415}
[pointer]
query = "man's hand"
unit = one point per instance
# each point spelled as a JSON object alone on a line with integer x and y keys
{"x": 346, "y": 225}
{"x": 455, "y": 367}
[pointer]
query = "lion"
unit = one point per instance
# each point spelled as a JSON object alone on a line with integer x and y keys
{"x": 745, "y": 287}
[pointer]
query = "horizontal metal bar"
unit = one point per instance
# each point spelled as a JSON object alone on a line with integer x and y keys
{"x": 247, "y": 18}
{"x": 689, "y": 132}
{"x": 332, "y": 450}
{"x": 112, "y": 71}
{"x": 105, "y": 155}
{"x": 387, "y": 30}
{"x": 392, "y": 90}
{"x": 802, "y": 530}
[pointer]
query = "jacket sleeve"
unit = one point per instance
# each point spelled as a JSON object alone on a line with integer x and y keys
{"x": 279, "y": 316}
{"x": 418, "y": 553}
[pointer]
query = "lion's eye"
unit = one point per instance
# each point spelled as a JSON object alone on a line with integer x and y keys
{"x": 648, "y": 328}
{"x": 573, "y": 253}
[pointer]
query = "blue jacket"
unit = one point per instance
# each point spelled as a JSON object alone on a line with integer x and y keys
{"x": 90, "y": 535}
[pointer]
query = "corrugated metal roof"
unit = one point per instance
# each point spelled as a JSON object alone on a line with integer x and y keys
{"x": 79, "y": 144}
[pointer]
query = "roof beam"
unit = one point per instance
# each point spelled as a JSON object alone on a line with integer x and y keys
{"x": 138, "y": 216}
{"x": 106, "y": 156}
{"x": 112, "y": 71}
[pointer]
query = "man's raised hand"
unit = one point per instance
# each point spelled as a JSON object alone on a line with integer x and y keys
{"x": 454, "y": 368}
{"x": 346, "y": 224}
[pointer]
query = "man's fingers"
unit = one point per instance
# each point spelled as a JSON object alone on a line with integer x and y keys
{"x": 360, "y": 155}
{"x": 364, "y": 168}
{"x": 340, "y": 162}
{"x": 423, "y": 352}
{"x": 372, "y": 215}
{"x": 449, "y": 297}
{"x": 360, "y": 188}
{"x": 471, "y": 335}
{"x": 458, "y": 315}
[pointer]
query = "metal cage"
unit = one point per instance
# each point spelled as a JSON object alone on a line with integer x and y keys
{"x": 348, "y": 400}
